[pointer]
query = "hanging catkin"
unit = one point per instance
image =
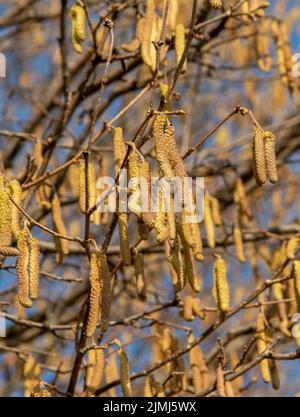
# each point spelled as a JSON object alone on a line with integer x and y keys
{"x": 106, "y": 293}
{"x": 292, "y": 247}
{"x": 270, "y": 152}
{"x": 124, "y": 370}
{"x": 5, "y": 218}
{"x": 95, "y": 294}
{"x": 31, "y": 374}
{"x": 148, "y": 50}
{"x": 275, "y": 376}
{"x": 180, "y": 44}
{"x": 123, "y": 236}
{"x": 296, "y": 281}
{"x": 198, "y": 366}
{"x": 148, "y": 387}
{"x": 145, "y": 176}
{"x": 77, "y": 26}
{"x": 34, "y": 269}
{"x": 15, "y": 191}
{"x": 215, "y": 211}
{"x": 59, "y": 226}
{"x": 208, "y": 221}
{"x": 140, "y": 276}
{"x": 259, "y": 156}
{"x": 159, "y": 145}
{"x": 188, "y": 313}
{"x": 8, "y": 251}
{"x": 220, "y": 382}
{"x": 263, "y": 57}
{"x": 136, "y": 41}
{"x": 22, "y": 270}
{"x": 174, "y": 156}
{"x": 175, "y": 259}
{"x": 92, "y": 191}
{"x": 221, "y": 292}
{"x": 238, "y": 241}
{"x": 172, "y": 15}
{"x": 134, "y": 203}
{"x": 241, "y": 199}
{"x": 162, "y": 230}
{"x": 95, "y": 367}
{"x": 111, "y": 373}
{"x": 261, "y": 347}
{"x": 189, "y": 267}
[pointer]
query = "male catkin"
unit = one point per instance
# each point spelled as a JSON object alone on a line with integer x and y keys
{"x": 140, "y": 276}
{"x": 5, "y": 219}
{"x": 221, "y": 293}
{"x": 34, "y": 269}
{"x": 159, "y": 145}
{"x": 94, "y": 296}
{"x": 238, "y": 241}
{"x": 270, "y": 152}
{"x": 208, "y": 221}
{"x": 95, "y": 368}
{"x": 15, "y": 191}
{"x": 261, "y": 347}
{"x": 258, "y": 151}
{"x": 22, "y": 270}
{"x": 180, "y": 44}
{"x": 148, "y": 51}
{"x": 106, "y": 293}
{"x": 216, "y": 4}
{"x": 296, "y": 281}
{"x": 125, "y": 374}
{"x": 77, "y": 26}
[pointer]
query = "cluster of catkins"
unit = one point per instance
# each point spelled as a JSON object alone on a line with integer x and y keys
{"x": 27, "y": 249}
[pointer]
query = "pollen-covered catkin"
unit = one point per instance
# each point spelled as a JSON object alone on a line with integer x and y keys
{"x": 175, "y": 260}
{"x": 180, "y": 44}
{"x": 125, "y": 374}
{"x": 292, "y": 246}
{"x": 216, "y": 4}
{"x": 208, "y": 221}
{"x": 91, "y": 185}
{"x": 15, "y": 191}
{"x": 140, "y": 276}
{"x": 119, "y": 148}
{"x": 296, "y": 281}
{"x": 215, "y": 211}
{"x": 258, "y": 150}
{"x": 221, "y": 293}
{"x": 22, "y": 270}
{"x": 189, "y": 268}
{"x": 270, "y": 152}
{"x": 77, "y": 26}
{"x": 94, "y": 296}
{"x": 106, "y": 293}
{"x": 95, "y": 367}
{"x": 134, "y": 203}
{"x": 238, "y": 241}
{"x": 34, "y": 269}
{"x": 8, "y": 251}
{"x": 159, "y": 145}
{"x": 148, "y": 51}
{"x": 198, "y": 366}
{"x": 162, "y": 230}
{"x": 145, "y": 177}
{"x": 5, "y": 218}
{"x": 111, "y": 373}
{"x": 261, "y": 347}
{"x": 123, "y": 236}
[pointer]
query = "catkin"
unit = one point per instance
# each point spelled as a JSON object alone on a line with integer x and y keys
{"x": 208, "y": 221}
{"x": 92, "y": 191}
{"x": 259, "y": 156}
{"x": 188, "y": 313}
{"x": 95, "y": 367}
{"x": 198, "y": 366}
{"x": 216, "y": 4}
{"x": 241, "y": 199}
{"x": 238, "y": 241}
{"x": 134, "y": 203}
{"x": 59, "y": 226}
{"x": 172, "y": 15}
{"x": 22, "y": 270}
{"x": 119, "y": 148}
{"x": 148, "y": 51}
{"x": 296, "y": 281}
{"x": 136, "y": 41}
{"x": 162, "y": 230}
{"x": 263, "y": 57}
{"x": 215, "y": 211}
{"x": 34, "y": 269}
{"x": 189, "y": 267}
{"x": 31, "y": 373}
{"x": 5, "y": 219}
{"x": 292, "y": 247}
{"x": 175, "y": 260}
{"x": 140, "y": 276}
{"x": 15, "y": 190}
{"x": 145, "y": 176}
{"x": 173, "y": 154}
{"x": 261, "y": 347}
{"x": 159, "y": 145}
{"x": 77, "y": 26}
{"x": 111, "y": 373}
{"x": 123, "y": 237}
{"x": 8, "y": 251}
{"x": 220, "y": 382}
{"x": 180, "y": 44}
{"x": 94, "y": 296}
{"x": 275, "y": 376}
{"x": 148, "y": 391}
{"x": 125, "y": 374}
{"x": 270, "y": 152}
{"x": 221, "y": 293}
{"x": 106, "y": 293}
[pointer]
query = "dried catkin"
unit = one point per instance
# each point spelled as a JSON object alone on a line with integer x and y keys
{"x": 180, "y": 44}
{"x": 209, "y": 225}
{"x": 94, "y": 296}
{"x": 159, "y": 145}
{"x": 95, "y": 367}
{"x": 216, "y": 4}
{"x": 22, "y": 270}
{"x": 261, "y": 347}
{"x": 34, "y": 269}
{"x": 140, "y": 276}
{"x": 238, "y": 241}
{"x": 5, "y": 218}
{"x": 31, "y": 374}
{"x": 220, "y": 382}
{"x": 221, "y": 293}
{"x": 59, "y": 226}
{"x": 125, "y": 374}
{"x": 148, "y": 51}
{"x": 275, "y": 376}
{"x": 77, "y": 26}
{"x": 296, "y": 281}
{"x": 259, "y": 156}
{"x": 270, "y": 152}
{"x": 15, "y": 190}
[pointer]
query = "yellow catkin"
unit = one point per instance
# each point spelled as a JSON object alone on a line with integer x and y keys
{"x": 263, "y": 57}
{"x": 91, "y": 185}
{"x": 77, "y": 26}
{"x": 261, "y": 347}
{"x": 31, "y": 373}
{"x": 171, "y": 219}
{"x": 22, "y": 270}
{"x": 238, "y": 241}
{"x": 136, "y": 41}
{"x": 172, "y": 15}
{"x": 197, "y": 308}
{"x": 259, "y": 156}
{"x": 188, "y": 313}
{"x": 220, "y": 382}
{"x": 162, "y": 230}
{"x": 119, "y": 148}
{"x": 15, "y": 190}
{"x": 270, "y": 152}
{"x": 95, "y": 367}
{"x": 215, "y": 211}
{"x": 59, "y": 226}
{"x": 34, "y": 269}
{"x": 229, "y": 389}
{"x": 106, "y": 293}
{"x": 173, "y": 154}
{"x": 140, "y": 276}
{"x": 296, "y": 281}
{"x": 94, "y": 296}
{"x": 124, "y": 241}
{"x": 111, "y": 373}
{"x": 148, "y": 50}
{"x": 40, "y": 391}
{"x": 209, "y": 225}
{"x": 240, "y": 198}
{"x": 198, "y": 366}
{"x": 180, "y": 44}
{"x": 159, "y": 145}
{"x": 148, "y": 391}
{"x": 292, "y": 246}
{"x": 189, "y": 267}
{"x": 5, "y": 218}
{"x": 175, "y": 260}
{"x": 275, "y": 376}
{"x": 124, "y": 370}
{"x": 221, "y": 293}
{"x": 134, "y": 203}
{"x": 8, "y": 251}
{"x": 145, "y": 175}
{"x": 216, "y": 4}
